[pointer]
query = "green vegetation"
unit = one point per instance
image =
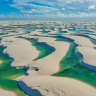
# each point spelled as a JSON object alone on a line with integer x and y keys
{"x": 8, "y": 74}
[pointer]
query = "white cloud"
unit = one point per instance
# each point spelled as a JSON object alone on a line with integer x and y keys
{"x": 63, "y": 9}
{"x": 91, "y": 7}
{"x": 29, "y": 11}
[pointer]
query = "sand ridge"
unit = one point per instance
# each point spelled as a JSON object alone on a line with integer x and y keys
{"x": 19, "y": 49}
{"x": 7, "y": 93}
{"x": 1, "y": 62}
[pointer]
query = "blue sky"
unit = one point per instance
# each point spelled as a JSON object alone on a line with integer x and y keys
{"x": 47, "y": 9}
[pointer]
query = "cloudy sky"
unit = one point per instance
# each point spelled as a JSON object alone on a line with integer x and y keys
{"x": 47, "y": 9}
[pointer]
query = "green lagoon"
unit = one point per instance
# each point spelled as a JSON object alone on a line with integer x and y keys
{"x": 70, "y": 66}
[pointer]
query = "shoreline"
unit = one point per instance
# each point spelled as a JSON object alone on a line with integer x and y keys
{"x": 9, "y": 92}
{"x": 76, "y": 79}
{"x": 16, "y": 91}
{"x": 1, "y": 61}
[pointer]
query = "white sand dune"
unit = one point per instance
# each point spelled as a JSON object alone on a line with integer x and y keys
{"x": 57, "y": 86}
{"x": 7, "y": 93}
{"x": 82, "y": 41}
{"x": 89, "y": 55}
{"x": 36, "y": 32}
{"x": 21, "y": 50}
